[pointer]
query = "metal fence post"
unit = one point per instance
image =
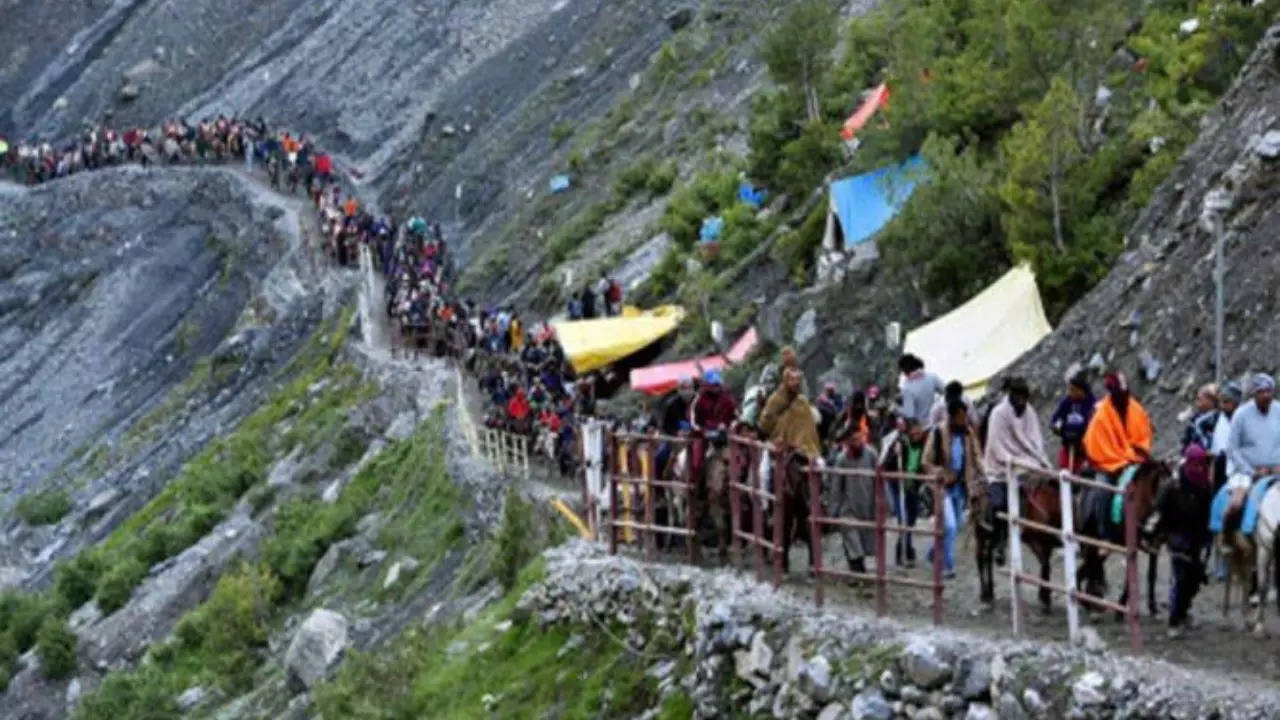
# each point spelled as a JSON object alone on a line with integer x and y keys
{"x": 939, "y": 531}
{"x": 1131, "y": 569}
{"x": 780, "y": 541}
{"x": 735, "y": 502}
{"x": 1069, "y": 550}
{"x": 1015, "y": 546}
{"x": 690, "y": 501}
{"x": 610, "y": 469}
{"x": 757, "y": 512}
{"x": 815, "y": 530}
{"x": 882, "y": 591}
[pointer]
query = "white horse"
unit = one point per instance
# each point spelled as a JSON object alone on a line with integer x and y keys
{"x": 1261, "y": 550}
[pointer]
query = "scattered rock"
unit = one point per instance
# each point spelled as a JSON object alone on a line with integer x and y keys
{"x": 870, "y": 705}
{"x": 929, "y": 713}
{"x": 191, "y": 698}
{"x": 806, "y": 327}
{"x": 73, "y": 693}
{"x": 407, "y": 566}
{"x": 926, "y": 665}
{"x": 316, "y": 649}
{"x": 753, "y": 665}
{"x": 1091, "y": 640}
{"x": 815, "y": 678}
{"x": 889, "y": 683}
{"x": 372, "y": 557}
{"x": 834, "y": 711}
{"x": 679, "y": 18}
{"x": 1010, "y": 709}
{"x": 979, "y": 711}
{"x": 327, "y": 564}
{"x": 102, "y": 501}
{"x": 1089, "y": 690}
{"x": 1151, "y": 367}
{"x": 129, "y": 92}
{"x": 974, "y": 678}
{"x": 1032, "y": 701}
{"x": 1269, "y": 146}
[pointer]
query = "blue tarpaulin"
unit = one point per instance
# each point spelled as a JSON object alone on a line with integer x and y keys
{"x": 865, "y": 203}
{"x": 751, "y": 196}
{"x": 559, "y": 183}
{"x": 712, "y": 227}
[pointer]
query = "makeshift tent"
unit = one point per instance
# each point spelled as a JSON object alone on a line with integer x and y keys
{"x": 661, "y": 379}
{"x": 986, "y": 334}
{"x": 559, "y": 183}
{"x": 592, "y": 344}
{"x": 751, "y": 196}
{"x": 712, "y": 228}
{"x": 862, "y": 204}
{"x": 877, "y": 98}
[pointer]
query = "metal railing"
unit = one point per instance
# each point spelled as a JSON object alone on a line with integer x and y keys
{"x": 819, "y": 520}
{"x": 1071, "y": 541}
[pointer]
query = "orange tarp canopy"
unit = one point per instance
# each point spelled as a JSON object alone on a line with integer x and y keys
{"x": 877, "y": 98}
{"x": 661, "y": 379}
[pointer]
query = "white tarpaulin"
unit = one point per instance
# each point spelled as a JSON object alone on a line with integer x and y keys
{"x": 986, "y": 334}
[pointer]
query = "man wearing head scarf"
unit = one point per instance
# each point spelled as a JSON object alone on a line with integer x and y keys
{"x": 1182, "y": 515}
{"x": 1253, "y": 448}
{"x": 1119, "y": 435}
{"x": 1013, "y": 438}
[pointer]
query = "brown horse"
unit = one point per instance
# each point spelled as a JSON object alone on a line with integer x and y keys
{"x": 1040, "y": 503}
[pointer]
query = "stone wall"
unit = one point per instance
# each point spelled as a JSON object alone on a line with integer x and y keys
{"x": 737, "y": 647}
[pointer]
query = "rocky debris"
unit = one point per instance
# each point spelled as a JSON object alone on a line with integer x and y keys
{"x": 679, "y": 18}
{"x": 101, "y": 502}
{"x": 316, "y": 649}
{"x": 191, "y": 698}
{"x": 406, "y": 567}
{"x": 793, "y": 661}
{"x": 129, "y": 92}
{"x": 806, "y": 327}
{"x": 1269, "y": 146}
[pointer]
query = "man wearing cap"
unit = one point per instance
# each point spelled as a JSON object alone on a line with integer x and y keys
{"x": 1253, "y": 448}
{"x": 713, "y": 414}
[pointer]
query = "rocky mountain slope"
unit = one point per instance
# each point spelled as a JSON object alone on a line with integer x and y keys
{"x": 1153, "y": 315}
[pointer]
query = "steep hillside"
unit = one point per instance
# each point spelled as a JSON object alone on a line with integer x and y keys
{"x": 1152, "y": 317}
{"x": 142, "y": 310}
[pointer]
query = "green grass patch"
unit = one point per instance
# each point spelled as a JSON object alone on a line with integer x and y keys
{"x": 45, "y": 507}
{"x": 516, "y": 672}
{"x": 56, "y": 646}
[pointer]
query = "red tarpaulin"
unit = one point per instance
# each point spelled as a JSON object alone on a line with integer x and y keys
{"x": 662, "y": 379}
{"x": 876, "y": 99}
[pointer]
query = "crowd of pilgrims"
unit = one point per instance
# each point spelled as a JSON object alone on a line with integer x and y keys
{"x": 928, "y": 427}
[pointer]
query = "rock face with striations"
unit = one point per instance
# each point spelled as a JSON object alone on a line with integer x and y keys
{"x": 1152, "y": 317}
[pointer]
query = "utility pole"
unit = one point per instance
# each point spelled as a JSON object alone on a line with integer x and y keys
{"x": 1216, "y": 203}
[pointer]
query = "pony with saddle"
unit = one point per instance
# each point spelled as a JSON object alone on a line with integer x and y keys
{"x": 1097, "y": 515}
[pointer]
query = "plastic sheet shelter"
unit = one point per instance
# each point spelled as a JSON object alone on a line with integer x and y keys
{"x": 986, "y": 334}
{"x": 862, "y": 204}
{"x": 877, "y": 98}
{"x": 592, "y": 344}
{"x": 662, "y": 379}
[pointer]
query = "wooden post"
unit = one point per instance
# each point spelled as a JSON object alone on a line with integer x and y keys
{"x": 780, "y": 490}
{"x": 690, "y": 502}
{"x": 815, "y": 530}
{"x": 1070, "y": 547}
{"x": 647, "y": 470}
{"x": 939, "y": 530}
{"x": 1015, "y": 547}
{"x": 882, "y": 593}
{"x": 757, "y": 512}
{"x": 610, "y": 460}
{"x": 735, "y": 502}
{"x": 1131, "y": 569}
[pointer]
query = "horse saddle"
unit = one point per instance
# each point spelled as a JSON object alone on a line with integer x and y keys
{"x": 1249, "y": 515}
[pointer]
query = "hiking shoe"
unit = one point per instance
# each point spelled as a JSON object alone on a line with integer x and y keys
{"x": 1174, "y": 633}
{"x": 999, "y": 556}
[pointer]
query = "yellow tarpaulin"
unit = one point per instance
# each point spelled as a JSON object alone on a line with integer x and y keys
{"x": 592, "y": 344}
{"x": 986, "y": 334}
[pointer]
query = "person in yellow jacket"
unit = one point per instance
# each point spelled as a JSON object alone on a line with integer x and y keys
{"x": 517, "y": 335}
{"x": 788, "y": 418}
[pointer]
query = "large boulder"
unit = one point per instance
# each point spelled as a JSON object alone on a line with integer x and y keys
{"x": 316, "y": 649}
